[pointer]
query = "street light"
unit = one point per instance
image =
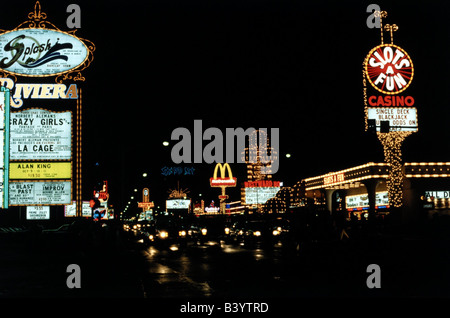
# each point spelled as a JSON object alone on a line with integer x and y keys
{"x": 145, "y": 174}
{"x": 288, "y": 155}
{"x": 165, "y": 143}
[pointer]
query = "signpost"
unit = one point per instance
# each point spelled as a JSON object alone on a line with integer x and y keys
{"x": 4, "y": 147}
{"x": 222, "y": 182}
{"x": 38, "y": 151}
{"x": 389, "y": 71}
{"x": 146, "y": 205}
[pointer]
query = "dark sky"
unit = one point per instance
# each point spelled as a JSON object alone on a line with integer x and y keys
{"x": 292, "y": 65}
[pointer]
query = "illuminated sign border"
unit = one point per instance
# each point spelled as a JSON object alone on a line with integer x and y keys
{"x": 358, "y": 173}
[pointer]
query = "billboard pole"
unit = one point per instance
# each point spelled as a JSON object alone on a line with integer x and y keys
{"x": 389, "y": 70}
{"x": 222, "y": 182}
{"x": 78, "y": 159}
{"x": 392, "y": 142}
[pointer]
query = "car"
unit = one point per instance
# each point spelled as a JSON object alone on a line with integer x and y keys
{"x": 148, "y": 233}
{"x": 64, "y": 235}
{"x": 261, "y": 230}
{"x": 168, "y": 230}
{"x": 280, "y": 229}
{"x": 63, "y": 229}
{"x": 256, "y": 231}
{"x": 204, "y": 229}
{"x": 234, "y": 231}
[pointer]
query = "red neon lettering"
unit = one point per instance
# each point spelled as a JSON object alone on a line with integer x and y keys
{"x": 391, "y": 100}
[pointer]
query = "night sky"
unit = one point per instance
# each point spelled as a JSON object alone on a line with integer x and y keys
{"x": 292, "y": 65}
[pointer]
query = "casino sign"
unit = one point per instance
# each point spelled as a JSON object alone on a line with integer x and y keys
{"x": 389, "y": 69}
{"x": 37, "y": 48}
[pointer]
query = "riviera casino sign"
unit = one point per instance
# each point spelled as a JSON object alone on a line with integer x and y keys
{"x": 40, "y": 52}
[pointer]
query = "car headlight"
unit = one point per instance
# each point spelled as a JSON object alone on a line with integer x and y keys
{"x": 204, "y": 231}
{"x": 163, "y": 234}
{"x": 257, "y": 233}
{"x": 276, "y": 232}
{"x": 227, "y": 230}
{"x": 182, "y": 233}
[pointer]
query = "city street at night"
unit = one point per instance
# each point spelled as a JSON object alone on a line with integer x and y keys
{"x": 413, "y": 266}
{"x": 224, "y": 156}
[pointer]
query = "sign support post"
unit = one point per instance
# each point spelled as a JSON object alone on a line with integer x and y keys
{"x": 222, "y": 183}
{"x": 389, "y": 70}
{"x": 40, "y": 145}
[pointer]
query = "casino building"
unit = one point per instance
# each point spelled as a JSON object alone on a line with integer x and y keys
{"x": 362, "y": 189}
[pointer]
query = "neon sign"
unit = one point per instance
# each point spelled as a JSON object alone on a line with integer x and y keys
{"x": 330, "y": 179}
{"x": 41, "y": 52}
{"x": 390, "y": 100}
{"x": 389, "y": 69}
{"x": 177, "y": 171}
{"x": 222, "y": 181}
{"x": 262, "y": 184}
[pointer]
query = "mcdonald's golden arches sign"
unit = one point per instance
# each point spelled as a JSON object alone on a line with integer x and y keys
{"x": 222, "y": 181}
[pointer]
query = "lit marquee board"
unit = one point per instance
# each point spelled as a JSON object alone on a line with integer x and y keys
{"x": 361, "y": 201}
{"x": 437, "y": 194}
{"x": 178, "y": 204}
{"x": 70, "y": 210}
{"x": 400, "y": 119}
{"x": 258, "y": 192}
{"x": 40, "y": 193}
{"x": 39, "y": 134}
{"x": 31, "y": 170}
{"x": 40, "y": 212}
